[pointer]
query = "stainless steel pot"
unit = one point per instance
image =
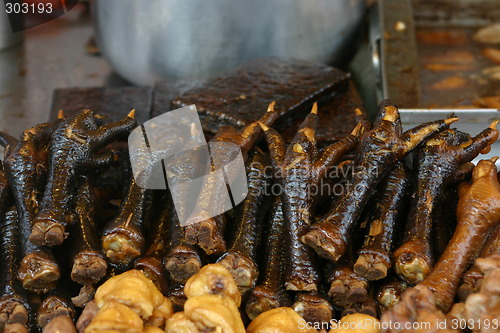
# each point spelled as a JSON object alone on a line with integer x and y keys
{"x": 147, "y": 40}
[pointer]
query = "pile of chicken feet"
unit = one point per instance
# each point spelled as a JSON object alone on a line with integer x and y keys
{"x": 382, "y": 222}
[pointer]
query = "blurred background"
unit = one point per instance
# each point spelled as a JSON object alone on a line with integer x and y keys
{"x": 423, "y": 54}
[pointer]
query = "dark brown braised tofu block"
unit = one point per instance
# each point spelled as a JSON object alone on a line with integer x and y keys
{"x": 295, "y": 85}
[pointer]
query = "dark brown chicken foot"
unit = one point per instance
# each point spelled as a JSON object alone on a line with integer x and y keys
{"x": 75, "y": 147}
{"x": 478, "y": 213}
{"x": 436, "y": 164}
{"x": 378, "y": 151}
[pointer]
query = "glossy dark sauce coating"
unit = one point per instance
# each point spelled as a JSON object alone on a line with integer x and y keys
{"x": 240, "y": 259}
{"x": 444, "y": 219}
{"x": 157, "y": 240}
{"x": 14, "y": 305}
{"x": 346, "y": 287}
{"x": 435, "y": 165}
{"x": 478, "y": 214}
{"x": 89, "y": 264}
{"x": 377, "y": 152}
{"x": 158, "y": 228}
{"x": 123, "y": 239}
{"x": 5, "y": 195}
{"x": 177, "y": 296}
{"x": 74, "y": 149}
{"x": 302, "y": 273}
{"x": 270, "y": 291}
{"x": 209, "y": 233}
{"x": 181, "y": 260}
{"x": 374, "y": 259}
{"x": 297, "y": 168}
{"x": 26, "y": 165}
